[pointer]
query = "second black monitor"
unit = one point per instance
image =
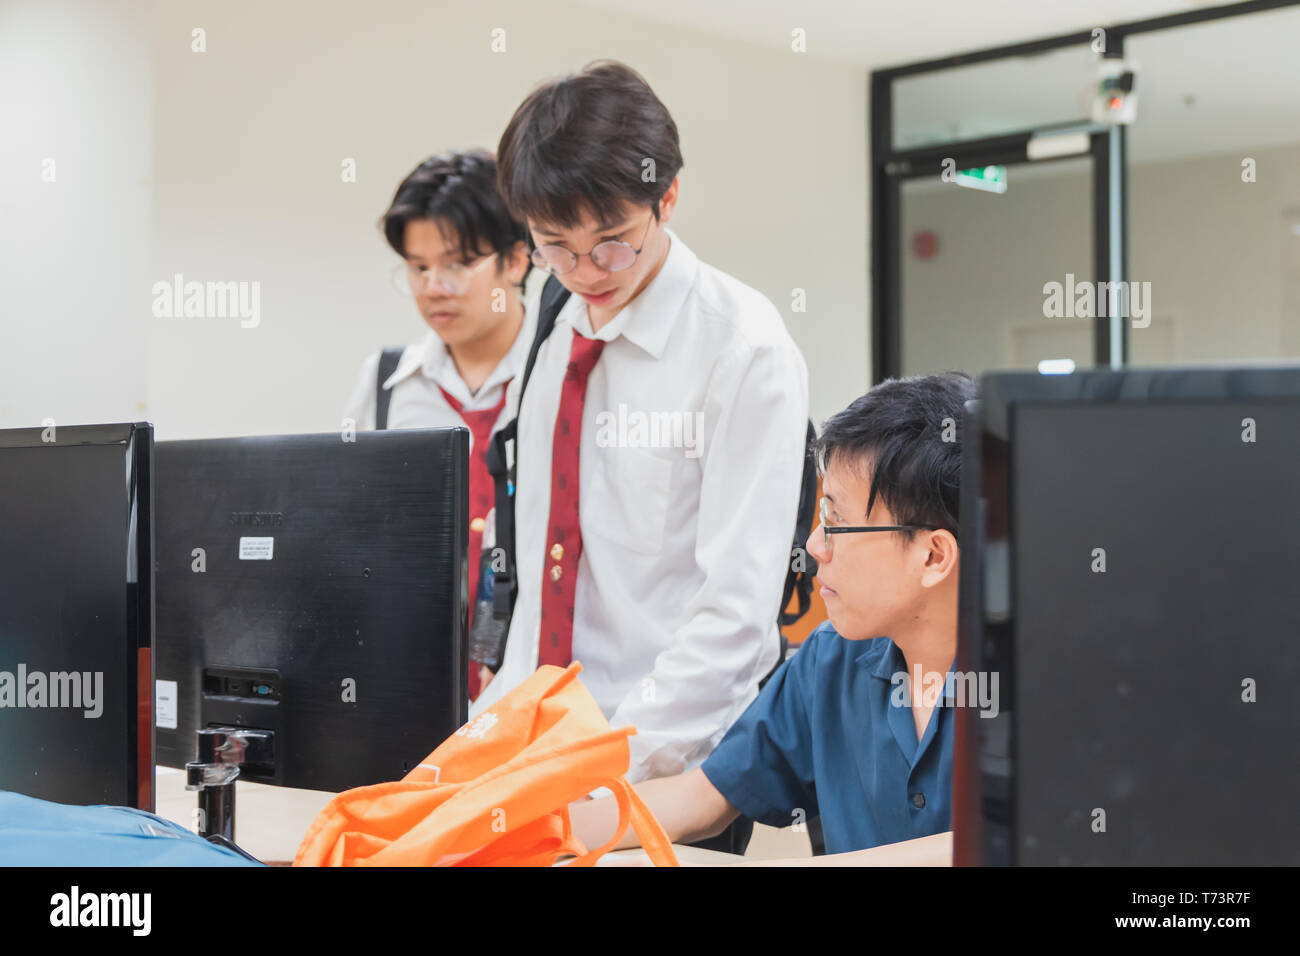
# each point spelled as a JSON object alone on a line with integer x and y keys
{"x": 314, "y": 587}
{"x": 1128, "y": 570}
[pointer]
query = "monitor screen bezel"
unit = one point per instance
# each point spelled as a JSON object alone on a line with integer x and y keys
{"x": 136, "y": 439}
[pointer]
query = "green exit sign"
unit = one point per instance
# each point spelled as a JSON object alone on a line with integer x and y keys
{"x": 991, "y": 179}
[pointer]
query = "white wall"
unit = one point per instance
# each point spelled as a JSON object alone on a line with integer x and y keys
{"x": 250, "y": 136}
{"x": 1216, "y": 251}
{"x": 225, "y": 166}
{"x": 76, "y": 88}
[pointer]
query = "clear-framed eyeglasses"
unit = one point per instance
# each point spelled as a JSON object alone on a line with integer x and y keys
{"x": 410, "y": 278}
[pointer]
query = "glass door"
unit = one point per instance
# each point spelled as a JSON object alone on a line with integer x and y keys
{"x": 994, "y": 259}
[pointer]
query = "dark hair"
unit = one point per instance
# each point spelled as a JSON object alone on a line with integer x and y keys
{"x": 578, "y": 143}
{"x": 896, "y": 432}
{"x": 457, "y": 191}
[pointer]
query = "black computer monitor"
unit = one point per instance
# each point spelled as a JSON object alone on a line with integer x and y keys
{"x": 314, "y": 587}
{"x": 76, "y": 614}
{"x": 1131, "y": 546}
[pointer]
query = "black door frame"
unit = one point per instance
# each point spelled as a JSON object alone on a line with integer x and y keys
{"x": 996, "y": 150}
{"x": 1109, "y": 148}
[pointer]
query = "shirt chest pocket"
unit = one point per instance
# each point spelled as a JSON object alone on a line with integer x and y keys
{"x": 628, "y": 502}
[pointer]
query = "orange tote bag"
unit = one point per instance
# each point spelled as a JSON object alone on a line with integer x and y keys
{"x": 496, "y": 792}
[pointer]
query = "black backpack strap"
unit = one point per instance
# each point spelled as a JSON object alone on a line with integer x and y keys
{"x": 554, "y": 296}
{"x": 799, "y": 584}
{"x": 388, "y": 360}
{"x": 502, "y": 467}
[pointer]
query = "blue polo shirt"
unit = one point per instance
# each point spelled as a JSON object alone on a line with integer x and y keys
{"x": 824, "y": 738}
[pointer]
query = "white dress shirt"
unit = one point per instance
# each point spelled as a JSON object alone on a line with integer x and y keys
{"x": 416, "y": 401}
{"x": 686, "y": 534}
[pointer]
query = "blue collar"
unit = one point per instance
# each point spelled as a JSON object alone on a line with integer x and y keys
{"x": 884, "y": 659}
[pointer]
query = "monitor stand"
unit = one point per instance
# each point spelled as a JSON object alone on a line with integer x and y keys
{"x": 221, "y": 753}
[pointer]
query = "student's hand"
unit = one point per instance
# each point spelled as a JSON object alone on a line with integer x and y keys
{"x": 484, "y": 678}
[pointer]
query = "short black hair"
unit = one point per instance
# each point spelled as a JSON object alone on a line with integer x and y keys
{"x": 896, "y": 433}
{"x": 457, "y": 191}
{"x": 579, "y": 144}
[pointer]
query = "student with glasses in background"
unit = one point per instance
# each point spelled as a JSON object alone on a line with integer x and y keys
{"x": 464, "y": 264}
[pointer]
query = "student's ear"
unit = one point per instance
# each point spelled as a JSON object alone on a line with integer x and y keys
{"x": 517, "y": 262}
{"x": 941, "y": 558}
{"x": 669, "y": 202}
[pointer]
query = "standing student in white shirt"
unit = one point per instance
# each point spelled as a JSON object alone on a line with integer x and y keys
{"x": 465, "y": 260}
{"x": 691, "y": 440}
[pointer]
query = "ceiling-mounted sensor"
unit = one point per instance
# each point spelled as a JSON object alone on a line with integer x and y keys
{"x": 1114, "y": 101}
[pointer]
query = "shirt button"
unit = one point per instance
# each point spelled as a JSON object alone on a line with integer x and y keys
{"x": 918, "y": 800}
{"x": 477, "y": 525}
{"x": 556, "y": 571}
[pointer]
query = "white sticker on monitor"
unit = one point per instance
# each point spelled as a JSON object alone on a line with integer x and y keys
{"x": 164, "y": 703}
{"x": 256, "y": 549}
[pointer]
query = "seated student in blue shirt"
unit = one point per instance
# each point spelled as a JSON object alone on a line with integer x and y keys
{"x": 845, "y": 730}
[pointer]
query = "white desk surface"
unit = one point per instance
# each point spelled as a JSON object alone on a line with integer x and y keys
{"x": 270, "y": 823}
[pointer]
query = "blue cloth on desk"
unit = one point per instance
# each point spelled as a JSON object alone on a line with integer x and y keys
{"x": 40, "y": 833}
{"x": 824, "y": 738}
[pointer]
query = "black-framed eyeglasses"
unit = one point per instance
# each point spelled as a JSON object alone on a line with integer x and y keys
{"x": 827, "y": 531}
{"x": 611, "y": 255}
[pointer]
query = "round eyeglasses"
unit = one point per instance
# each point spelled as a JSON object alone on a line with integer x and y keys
{"x": 827, "y": 531}
{"x": 454, "y": 279}
{"x": 612, "y": 255}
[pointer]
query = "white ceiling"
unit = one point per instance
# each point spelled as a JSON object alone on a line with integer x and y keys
{"x": 1217, "y": 87}
{"x": 874, "y": 34}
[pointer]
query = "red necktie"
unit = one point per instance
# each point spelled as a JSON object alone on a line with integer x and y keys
{"x": 564, "y": 535}
{"x": 481, "y": 497}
